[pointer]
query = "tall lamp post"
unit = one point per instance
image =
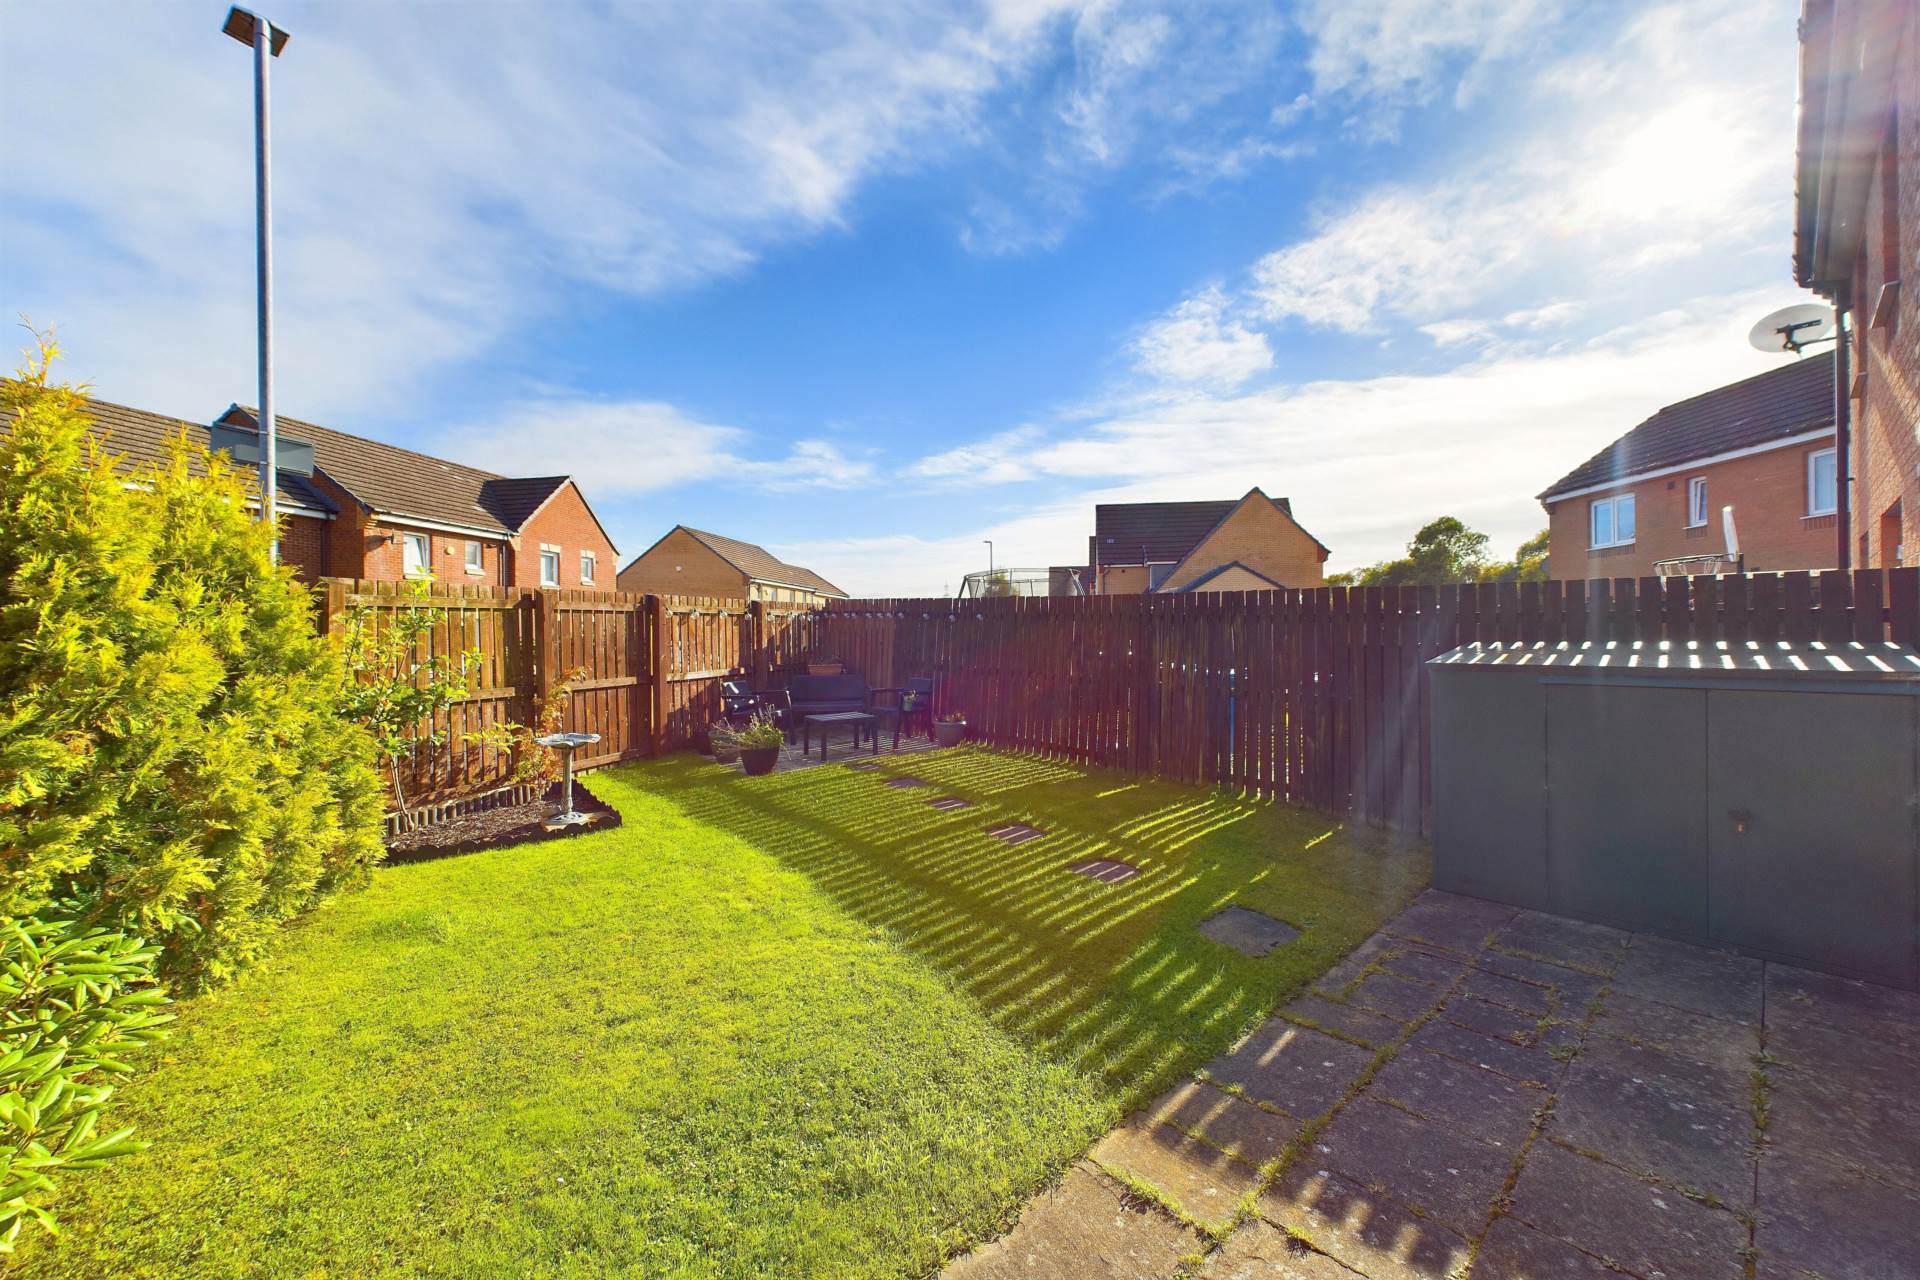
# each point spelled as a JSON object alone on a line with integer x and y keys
{"x": 267, "y": 41}
{"x": 989, "y": 542}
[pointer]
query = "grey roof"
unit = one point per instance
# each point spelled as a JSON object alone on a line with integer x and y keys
{"x": 142, "y": 438}
{"x": 762, "y": 565}
{"x": 1788, "y": 401}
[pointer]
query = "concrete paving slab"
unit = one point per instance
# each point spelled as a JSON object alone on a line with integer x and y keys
{"x": 1515, "y": 1251}
{"x": 1236, "y": 1126}
{"x": 1835, "y": 1114}
{"x": 1687, "y": 1142}
{"x": 1801, "y": 998}
{"x": 1449, "y": 921}
{"x": 1301, "y": 1071}
{"x": 1351, "y": 1020}
{"x": 1261, "y": 1251}
{"x": 1572, "y": 988}
{"x": 1491, "y": 1019}
{"x": 1435, "y": 968}
{"x": 1394, "y": 996}
{"x": 1439, "y": 1175}
{"x": 1201, "y": 1182}
{"x": 1361, "y": 1228}
{"x": 1524, "y": 996}
{"x": 1612, "y": 1214}
{"x": 1335, "y": 982}
{"x": 1833, "y": 1222}
{"x": 1729, "y": 1045}
{"x": 1720, "y": 984}
{"x": 1726, "y": 1087}
{"x": 1559, "y": 940}
{"x": 1489, "y": 1053}
{"x": 1090, "y": 1227}
{"x": 1462, "y": 1099}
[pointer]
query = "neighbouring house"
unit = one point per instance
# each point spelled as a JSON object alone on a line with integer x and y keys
{"x": 1651, "y": 501}
{"x": 1251, "y": 543}
{"x": 1856, "y": 236}
{"x": 688, "y": 562}
{"x": 355, "y": 508}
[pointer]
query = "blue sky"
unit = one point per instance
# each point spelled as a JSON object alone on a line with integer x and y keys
{"x": 872, "y": 283}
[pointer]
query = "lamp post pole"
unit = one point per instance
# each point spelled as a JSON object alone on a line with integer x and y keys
{"x": 989, "y": 542}
{"x": 267, "y": 42}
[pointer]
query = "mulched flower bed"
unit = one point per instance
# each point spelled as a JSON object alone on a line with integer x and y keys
{"x": 510, "y": 824}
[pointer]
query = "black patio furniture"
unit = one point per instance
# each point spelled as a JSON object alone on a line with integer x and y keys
{"x": 858, "y": 721}
{"x": 741, "y": 702}
{"x": 907, "y": 705}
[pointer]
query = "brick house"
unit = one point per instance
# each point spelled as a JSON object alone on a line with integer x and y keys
{"x": 1856, "y": 235}
{"x": 397, "y": 514}
{"x": 1652, "y": 499}
{"x": 689, "y": 562}
{"x": 1251, "y": 543}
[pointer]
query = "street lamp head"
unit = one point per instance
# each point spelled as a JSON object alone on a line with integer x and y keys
{"x": 243, "y": 26}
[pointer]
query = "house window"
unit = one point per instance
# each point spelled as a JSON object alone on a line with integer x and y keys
{"x": 1822, "y": 483}
{"x": 586, "y": 568}
{"x": 1696, "y": 502}
{"x": 1612, "y": 521}
{"x": 475, "y": 560}
{"x": 549, "y": 568}
{"x": 1157, "y": 574}
{"x": 416, "y": 555}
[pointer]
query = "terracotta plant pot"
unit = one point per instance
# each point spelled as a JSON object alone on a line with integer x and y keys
{"x": 948, "y": 733}
{"x": 759, "y": 760}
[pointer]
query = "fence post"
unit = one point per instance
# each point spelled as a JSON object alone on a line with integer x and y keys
{"x": 333, "y": 604}
{"x": 657, "y": 625}
{"x": 546, "y": 639}
{"x": 757, "y": 637}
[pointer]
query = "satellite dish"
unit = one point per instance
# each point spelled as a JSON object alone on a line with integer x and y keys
{"x": 1792, "y": 328}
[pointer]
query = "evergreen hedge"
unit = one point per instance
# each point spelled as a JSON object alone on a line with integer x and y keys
{"x": 174, "y": 754}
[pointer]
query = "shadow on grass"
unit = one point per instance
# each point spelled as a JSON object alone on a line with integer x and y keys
{"x": 1111, "y": 978}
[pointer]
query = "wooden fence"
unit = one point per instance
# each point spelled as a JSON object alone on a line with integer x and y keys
{"x": 1315, "y": 697}
{"x": 641, "y": 671}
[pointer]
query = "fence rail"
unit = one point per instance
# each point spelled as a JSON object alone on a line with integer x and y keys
{"x": 1317, "y": 697}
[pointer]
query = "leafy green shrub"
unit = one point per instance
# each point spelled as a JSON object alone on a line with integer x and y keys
{"x": 174, "y": 753}
{"x": 759, "y": 733}
{"x": 73, "y": 1001}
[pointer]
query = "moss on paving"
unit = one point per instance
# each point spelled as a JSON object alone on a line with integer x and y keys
{"x": 795, "y": 1025}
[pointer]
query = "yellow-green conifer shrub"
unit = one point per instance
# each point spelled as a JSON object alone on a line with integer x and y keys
{"x": 173, "y": 749}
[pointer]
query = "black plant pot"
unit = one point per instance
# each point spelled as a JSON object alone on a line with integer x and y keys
{"x": 759, "y": 760}
{"x": 948, "y": 733}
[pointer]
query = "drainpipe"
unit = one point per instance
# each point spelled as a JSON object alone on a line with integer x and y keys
{"x": 1842, "y": 432}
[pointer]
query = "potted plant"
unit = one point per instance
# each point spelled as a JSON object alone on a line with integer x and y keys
{"x": 723, "y": 740}
{"x": 760, "y": 744}
{"x": 949, "y": 729}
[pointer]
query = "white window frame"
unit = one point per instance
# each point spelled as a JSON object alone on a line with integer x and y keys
{"x": 549, "y": 556}
{"x": 588, "y": 563}
{"x": 1697, "y": 502}
{"x": 1612, "y": 506}
{"x": 1813, "y": 489}
{"x": 421, "y": 565}
{"x": 476, "y": 557}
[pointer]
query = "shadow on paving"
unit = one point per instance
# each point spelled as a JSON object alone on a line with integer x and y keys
{"x": 1110, "y": 977}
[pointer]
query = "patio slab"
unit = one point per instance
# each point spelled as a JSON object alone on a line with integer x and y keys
{"x": 1089, "y": 1225}
{"x": 1200, "y": 1182}
{"x": 1581, "y": 1103}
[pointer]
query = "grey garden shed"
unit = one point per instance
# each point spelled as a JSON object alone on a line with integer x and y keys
{"x": 1761, "y": 796}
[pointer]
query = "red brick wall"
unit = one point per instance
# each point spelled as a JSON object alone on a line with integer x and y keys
{"x": 304, "y": 544}
{"x": 567, "y": 523}
{"x": 1768, "y": 492}
{"x": 1886, "y": 453}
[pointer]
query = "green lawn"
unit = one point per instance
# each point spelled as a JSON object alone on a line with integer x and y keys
{"x": 801, "y": 1025}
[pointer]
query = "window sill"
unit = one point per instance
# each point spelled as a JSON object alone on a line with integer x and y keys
{"x": 1607, "y": 546}
{"x": 473, "y": 572}
{"x": 1820, "y": 515}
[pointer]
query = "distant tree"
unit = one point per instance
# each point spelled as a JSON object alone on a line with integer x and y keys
{"x": 1445, "y": 550}
{"x": 997, "y": 584}
{"x": 1529, "y": 563}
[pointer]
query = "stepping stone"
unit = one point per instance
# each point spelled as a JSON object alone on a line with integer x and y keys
{"x": 1247, "y": 931}
{"x": 1107, "y": 871}
{"x": 948, "y": 803}
{"x": 1015, "y": 832}
{"x": 904, "y": 782}
{"x": 1088, "y": 1223}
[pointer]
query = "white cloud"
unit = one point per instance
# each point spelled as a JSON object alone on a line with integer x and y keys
{"x": 624, "y": 448}
{"x": 1002, "y": 458}
{"x": 1197, "y": 343}
{"x": 1401, "y": 50}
